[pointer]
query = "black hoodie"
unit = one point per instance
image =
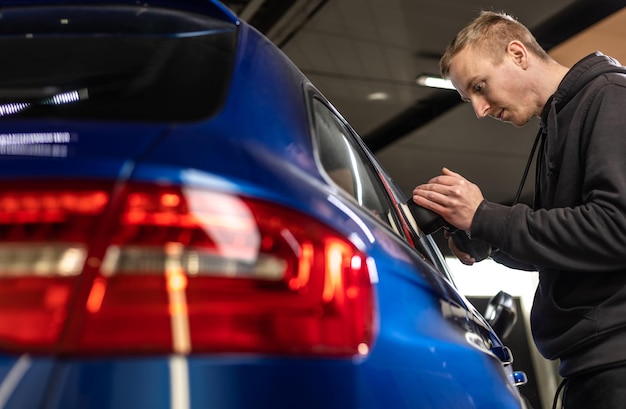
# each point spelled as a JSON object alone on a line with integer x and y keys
{"x": 575, "y": 235}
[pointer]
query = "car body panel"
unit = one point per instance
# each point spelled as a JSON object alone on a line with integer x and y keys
{"x": 431, "y": 348}
{"x": 61, "y": 149}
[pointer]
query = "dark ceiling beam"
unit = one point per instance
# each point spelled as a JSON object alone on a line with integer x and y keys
{"x": 269, "y": 16}
{"x": 418, "y": 114}
{"x": 570, "y": 21}
{"x": 269, "y": 13}
{"x": 575, "y": 18}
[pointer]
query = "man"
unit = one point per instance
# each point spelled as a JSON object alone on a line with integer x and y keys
{"x": 575, "y": 234}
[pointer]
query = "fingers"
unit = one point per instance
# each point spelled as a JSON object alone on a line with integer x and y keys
{"x": 436, "y": 187}
{"x": 451, "y": 196}
{"x": 447, "y": 175}
{"x": 438, "y": 192}
{"x": 446, "y": 184}
{"x": 430, "y": 200}
{"x": 462, "y": 256}
{"x": 447, "y": 178}
{"x": 446, "y": 171}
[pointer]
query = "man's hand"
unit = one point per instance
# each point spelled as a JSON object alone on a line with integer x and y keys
{"x": 451, "y": 196}
{"x": 464, "y": 258}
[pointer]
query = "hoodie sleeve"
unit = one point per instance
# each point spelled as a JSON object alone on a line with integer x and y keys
{"x": 491, "y": 224}
{"x": 584, "y": 227}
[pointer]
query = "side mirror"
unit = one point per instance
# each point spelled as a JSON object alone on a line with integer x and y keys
{"x": 501, "y": 313}
{"x": 430, "y": 222}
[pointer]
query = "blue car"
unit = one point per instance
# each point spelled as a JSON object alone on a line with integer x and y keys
{"x": 186, "y": 222}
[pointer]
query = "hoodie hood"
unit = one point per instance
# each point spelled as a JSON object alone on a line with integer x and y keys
{"x": 583, "y": 72}
{"x": 578, "y": 77}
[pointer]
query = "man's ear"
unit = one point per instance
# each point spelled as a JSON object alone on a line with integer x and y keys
{"x": 518, "y": 53}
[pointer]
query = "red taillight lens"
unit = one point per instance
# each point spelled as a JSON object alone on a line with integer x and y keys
{"x": 198, "y": 271}
{"x": 43, "y": 248}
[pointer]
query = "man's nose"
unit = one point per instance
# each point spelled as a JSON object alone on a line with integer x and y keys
{"x": 481, "y": 107}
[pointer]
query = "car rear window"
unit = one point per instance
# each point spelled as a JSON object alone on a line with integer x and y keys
{"x": 113, "y": 63}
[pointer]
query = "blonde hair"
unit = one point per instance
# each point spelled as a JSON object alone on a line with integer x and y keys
{"x": 490, "y": 34}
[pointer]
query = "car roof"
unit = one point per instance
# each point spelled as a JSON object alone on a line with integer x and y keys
{"x": 212, "y": 8}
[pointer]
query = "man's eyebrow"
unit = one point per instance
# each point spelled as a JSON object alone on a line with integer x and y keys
{"x": 469, "y": 82}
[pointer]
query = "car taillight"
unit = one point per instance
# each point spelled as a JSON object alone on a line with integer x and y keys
{"x": 43, "y": 247}
{"x": 168, "y": 270}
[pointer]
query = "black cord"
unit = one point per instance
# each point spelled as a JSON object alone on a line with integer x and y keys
{"x": 530, "y": 160}
{"x": 558, "y": 392}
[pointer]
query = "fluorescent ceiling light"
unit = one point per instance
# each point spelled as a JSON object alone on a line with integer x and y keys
{"x": 378, "y": 96}
{"x": 433, "y": 82}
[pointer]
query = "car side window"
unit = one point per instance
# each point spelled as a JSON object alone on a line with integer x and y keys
{"x": 343, "y": 162}
{"x": 348, "y": 167}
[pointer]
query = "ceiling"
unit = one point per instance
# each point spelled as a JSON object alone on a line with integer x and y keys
{"x": 364, "y": 56}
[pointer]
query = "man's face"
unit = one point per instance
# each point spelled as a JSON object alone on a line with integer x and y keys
{"x": 499, "y": 91}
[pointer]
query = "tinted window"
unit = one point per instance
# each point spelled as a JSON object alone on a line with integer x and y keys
{"x": 345, "y": 165}
{"x": 113, "y": 62}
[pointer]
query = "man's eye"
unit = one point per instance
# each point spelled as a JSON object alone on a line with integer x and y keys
{"x": 479, "y": 87}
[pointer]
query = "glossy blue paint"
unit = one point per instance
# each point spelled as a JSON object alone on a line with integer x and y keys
{"x": 430, "y": 349}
